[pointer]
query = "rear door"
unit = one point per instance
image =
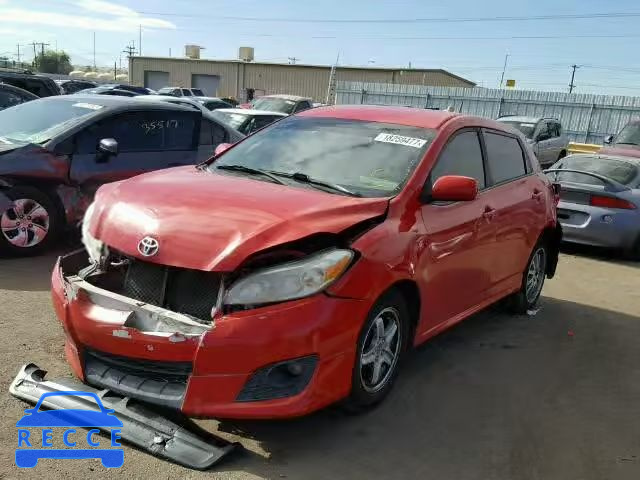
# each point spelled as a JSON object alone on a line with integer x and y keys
{"x": 460, "y": 241}
{"x": 147, "y": 140}
{"x": 544, "y": 143}
{"x": 516, "y": 200}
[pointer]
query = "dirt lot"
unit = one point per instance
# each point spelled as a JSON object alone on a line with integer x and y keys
{"x": 553, "y": 396}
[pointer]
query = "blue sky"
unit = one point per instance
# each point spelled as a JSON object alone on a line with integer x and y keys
{"x": 610, "y": 64}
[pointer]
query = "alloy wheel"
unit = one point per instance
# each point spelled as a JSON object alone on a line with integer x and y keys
{"x": 535, "y": 274}
{"x": 25, "y": 223}
{"x": 380, "y": 350}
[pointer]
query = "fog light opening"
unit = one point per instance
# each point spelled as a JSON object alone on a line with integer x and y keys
{"x": 607, "y": 219}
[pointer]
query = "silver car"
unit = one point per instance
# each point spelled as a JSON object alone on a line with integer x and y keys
{"x": 545, "y": 135}
{"x": 600, "y": 201}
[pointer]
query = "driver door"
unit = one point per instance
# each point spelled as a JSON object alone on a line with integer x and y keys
{"x": 148, "y": 140}
{"x": 544, "y": 144}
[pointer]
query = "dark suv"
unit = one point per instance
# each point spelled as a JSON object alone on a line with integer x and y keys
{"x": 39, "y": 85}
{"x": 55, "y": 152}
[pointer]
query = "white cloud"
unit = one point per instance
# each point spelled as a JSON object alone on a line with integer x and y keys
{"x": 101, "y": 6}
{"x": 115, "y": 23}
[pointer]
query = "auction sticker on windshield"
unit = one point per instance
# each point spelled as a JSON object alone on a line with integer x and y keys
{"x": 90, "y": 106}
{"x": 400, "y": 140}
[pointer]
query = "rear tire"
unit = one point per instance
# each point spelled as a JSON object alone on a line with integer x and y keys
{"x": 381, "y": 345}
{"x": 634, "y": 252}
{"x": 31, "y": 224}
{"x": 532, "y": 280}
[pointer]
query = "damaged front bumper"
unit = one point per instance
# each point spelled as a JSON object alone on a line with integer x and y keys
{"x": 237, "y": 366}
{"x": 179, "y": 440}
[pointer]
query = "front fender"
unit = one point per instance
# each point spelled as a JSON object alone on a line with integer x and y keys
{"x": 4, "y": 200}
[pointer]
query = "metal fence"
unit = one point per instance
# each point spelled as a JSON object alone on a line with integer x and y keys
{"x": 584, "y": 117}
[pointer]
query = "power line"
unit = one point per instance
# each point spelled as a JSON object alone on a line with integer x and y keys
{"x": 403, "y": 20}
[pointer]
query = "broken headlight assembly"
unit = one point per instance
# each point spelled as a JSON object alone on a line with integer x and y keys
{"x": 95, "y": 248}
{"x": 291, "y": 280}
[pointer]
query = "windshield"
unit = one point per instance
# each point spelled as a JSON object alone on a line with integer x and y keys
{"x": 198, "y": 92}
{"x": 274, "y": 104}
{"x": 527, "y": 128}
{"x": 615, "y": 169}
{"x": 166, "y": 91}
{"x": 41, "y": 120}
{"x": 369, "y": 158}
{"x": 233, "y": 119}
{"x": 629, "y": 135}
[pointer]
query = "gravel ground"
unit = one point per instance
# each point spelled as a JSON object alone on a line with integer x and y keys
{"x": 551, "y": 396}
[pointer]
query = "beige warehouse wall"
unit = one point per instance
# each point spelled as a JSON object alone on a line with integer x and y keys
{"x": 310, "y": 81}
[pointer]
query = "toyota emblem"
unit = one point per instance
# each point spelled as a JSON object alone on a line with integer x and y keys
{"x": 148, "y": 246}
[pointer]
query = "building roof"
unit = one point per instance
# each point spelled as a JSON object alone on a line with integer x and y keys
{"x": 523, "y": 119}
{"x": 414, "y": 117}
{"x": 311, "y": 65}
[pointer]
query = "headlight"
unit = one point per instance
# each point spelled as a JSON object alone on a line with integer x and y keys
{"x": 95, "y": 247}
{"x": 289, "y": 281}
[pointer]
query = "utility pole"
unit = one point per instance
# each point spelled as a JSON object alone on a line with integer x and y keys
{"x": 140, "y": 41}
{"x": 504, "y": 69}
{"x": 35, "y": 53}
{"x": 18, "y": 54}
{"x": 94, "y": 51}
{"x": 572, "y": 85}
{"x": 130, "y": 50}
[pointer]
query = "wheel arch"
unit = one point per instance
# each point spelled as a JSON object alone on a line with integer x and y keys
{"x": 410, "y": 292}
{"x": 552, "y": 237}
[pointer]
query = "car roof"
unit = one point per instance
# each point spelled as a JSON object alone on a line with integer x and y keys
{"x": 524, "y": 119}
{"x": 295, "y": 98}
{"x": 415, "y": 117}
{"x": 248, "y": 111}
{"x": 208, "y": 99}
{"x": 623, "y": 158}
{"x": 112, "y": 102}
{"x": 21, "y": 91}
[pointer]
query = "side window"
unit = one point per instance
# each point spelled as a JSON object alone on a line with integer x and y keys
{"x": 261, "y": 121}
{"x": 9, "y": 99}
{"x": 141, "y": 132}
{"x": 461, "y": 156}
{"x": 557, "y": 129}
{"x": 304, "y": 105}
{"x": 211, "y": 133}
{"x": 505, "y": 158}
{"x": 186, "y": 92}
{"x": 543, "y": 131}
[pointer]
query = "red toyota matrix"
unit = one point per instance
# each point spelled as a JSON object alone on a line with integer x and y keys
{"x": 294, "y": 269}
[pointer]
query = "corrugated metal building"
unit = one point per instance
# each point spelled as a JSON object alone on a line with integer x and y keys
{"x": 232, "y": 77}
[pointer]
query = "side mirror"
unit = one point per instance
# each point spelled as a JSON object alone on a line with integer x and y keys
{"x": 608, "y": 140}
{"x": 108, "y": 147}
{"x": 542, "y": 136}
{"x": 454, "y": 188}
{"x": 220, "y": 149}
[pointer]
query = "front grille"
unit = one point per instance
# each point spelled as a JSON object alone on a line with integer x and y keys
{"x": 191, "y": 292}
{"x": 160, "y": 382}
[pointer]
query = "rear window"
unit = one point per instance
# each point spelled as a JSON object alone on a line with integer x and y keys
{"x": 613, "y": 168}
{"x": 526, "y": 128}
{"x": 630, "y": 135}
{"x": 504, "y": 157}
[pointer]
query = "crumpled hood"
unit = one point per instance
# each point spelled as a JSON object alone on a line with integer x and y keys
{"x": 209, "y": 221}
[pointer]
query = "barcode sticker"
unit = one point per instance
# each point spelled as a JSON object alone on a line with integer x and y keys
{"x": 400, "y": 140}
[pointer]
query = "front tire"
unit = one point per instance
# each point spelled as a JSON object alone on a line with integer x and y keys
{"x": 31, "y": 224}
{"x": 381, "y": 344}
{"x": 532, "y": 280}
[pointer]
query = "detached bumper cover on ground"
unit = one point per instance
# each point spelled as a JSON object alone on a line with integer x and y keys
{"x": 180, "y": 440}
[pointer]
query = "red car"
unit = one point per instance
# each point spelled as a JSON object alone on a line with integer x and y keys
{"x": 294, "y": 270}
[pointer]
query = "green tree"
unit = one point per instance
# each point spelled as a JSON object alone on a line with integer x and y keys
{"x": 54, "y": 62}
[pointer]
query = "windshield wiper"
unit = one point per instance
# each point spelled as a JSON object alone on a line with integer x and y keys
{"x": 304, "y": 178}
{"x": 253, "y": 171}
